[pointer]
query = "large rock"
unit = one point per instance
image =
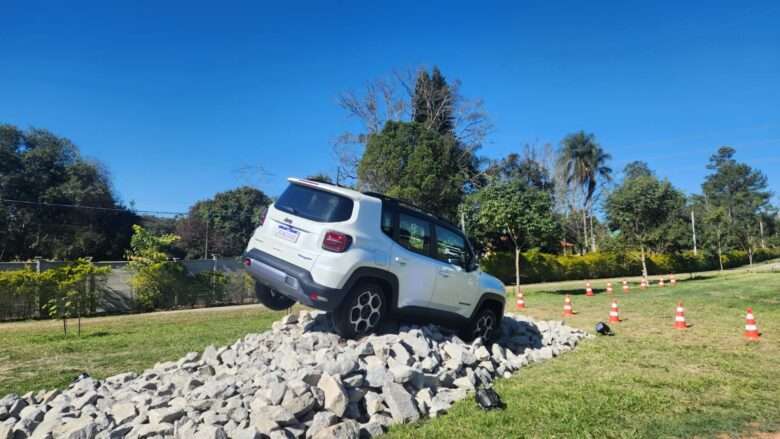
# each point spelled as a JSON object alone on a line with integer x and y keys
{"x": 401, "y": 403}
{"x": 349, "y": 429}
{"x": 336, "y": 398}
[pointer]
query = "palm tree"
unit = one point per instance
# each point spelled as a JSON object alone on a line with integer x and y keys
{"x": 583, "y": 164}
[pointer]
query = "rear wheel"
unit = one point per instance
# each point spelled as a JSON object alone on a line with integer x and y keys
{"x": 272, "y": 298}
{"x": 362, "y": 312}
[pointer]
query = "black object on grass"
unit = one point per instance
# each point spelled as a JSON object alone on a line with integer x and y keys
{"x": 488, "y": 399}
{"x": 604, "y": 329}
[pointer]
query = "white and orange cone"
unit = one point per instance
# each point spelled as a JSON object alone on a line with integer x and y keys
{"x": 609, "y": 287}
{"x": 568, "y": 310}
{"x": 588, "y": 289}
{"x": 751, "y": 329}
{"x": 625, "y": 286}
{"x": 672, "y": 280}
{"x": 520, "y": 302}
{"x": 661, "y": 282}
{"x": 679, "y": 318}
{"x": 643, "y": 284}
{"x": 614, "y": 313}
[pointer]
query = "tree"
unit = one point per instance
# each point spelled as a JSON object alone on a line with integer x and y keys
{"x": 640, "y": 208}
{"x": 223, "y": 224}
{"x": 440, "y": 107}
{"x": 416, "y": 164}
{"x": 637, "y": 169}
{"x": 737, "y": 194}
{"x": 524, "y": 214}
{"x": 433, "y": 102}
{"x": 583, "y": 165}
{"x": 157, "y": 281}
{"x": 76, "y": 290}
{"x": 42, "y": 176}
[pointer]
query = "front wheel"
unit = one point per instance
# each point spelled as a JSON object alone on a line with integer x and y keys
{"x": 362, "y": 312}
{"x": 485, "y": 325}
{"x": 271, "y": 298}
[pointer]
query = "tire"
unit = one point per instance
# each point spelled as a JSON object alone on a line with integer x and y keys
{"x": 363, "y": 311}
{"x": 272, "y": 299}
{"x": 485, "y": 324}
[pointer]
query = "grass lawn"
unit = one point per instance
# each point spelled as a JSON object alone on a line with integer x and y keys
{"x": 36, "y": 355}
{"x": 650, "y": 380}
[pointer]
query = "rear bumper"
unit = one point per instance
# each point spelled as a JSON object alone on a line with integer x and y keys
{"x": 291, "y": 281}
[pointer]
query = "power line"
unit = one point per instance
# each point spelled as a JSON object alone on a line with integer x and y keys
{"x": 79, "y": 206}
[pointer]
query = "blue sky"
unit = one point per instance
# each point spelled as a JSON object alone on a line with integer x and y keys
{"x": 175, "y": 97}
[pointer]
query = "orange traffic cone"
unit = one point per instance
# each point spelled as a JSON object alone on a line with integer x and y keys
{"x": 625, "y": 286}
{"x": 643, "y": 284}
{"x": 568, "y": 311}
{"x": 609, "y": 287}
{"x": 679, "y": 319}
{"x": 661, "y": 282}
{"x": 588, "y": 289}
{"x": 751, "y": 329}
{"x": 614, "y": 313}
{"x": 520, "y": 300}
{"x": 672, "y": 280}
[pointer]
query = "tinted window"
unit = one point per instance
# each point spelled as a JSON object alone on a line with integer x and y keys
{"x": 414, "y": 234}
{"x": 451, "y": 247}
{"x": 315, "y": 204}
{"x": 387, "y": 222}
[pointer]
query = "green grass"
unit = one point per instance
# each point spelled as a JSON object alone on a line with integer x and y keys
{"x": 650, "y": 380}
{"x": 36, "y": 355}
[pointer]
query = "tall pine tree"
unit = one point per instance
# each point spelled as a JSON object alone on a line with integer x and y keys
{"x": 433, "y": 102}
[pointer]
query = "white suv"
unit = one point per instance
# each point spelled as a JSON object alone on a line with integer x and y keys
{"x": 364, "y": 257}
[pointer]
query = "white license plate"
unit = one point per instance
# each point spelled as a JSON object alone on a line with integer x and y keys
{"x": 287, "y": 233}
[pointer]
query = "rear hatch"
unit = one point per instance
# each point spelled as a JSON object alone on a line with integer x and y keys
{"x": 296, "y": 224}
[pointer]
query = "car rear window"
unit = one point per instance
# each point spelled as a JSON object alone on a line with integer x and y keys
{"x": 315, "y": 204}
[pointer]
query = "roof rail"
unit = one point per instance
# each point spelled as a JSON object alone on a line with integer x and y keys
{"x": 410, "y": 205}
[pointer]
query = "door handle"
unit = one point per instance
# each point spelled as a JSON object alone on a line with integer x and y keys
{"x": 445, "y": 271}
{"x": 400, "y": 260}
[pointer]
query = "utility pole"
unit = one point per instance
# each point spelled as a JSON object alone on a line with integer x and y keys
{"x": 693, "y": 227}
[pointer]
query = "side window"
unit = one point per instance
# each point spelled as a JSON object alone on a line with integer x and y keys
{"x": 414, "y": 234}
{"x": 451, "y": 247}
{"x": 387, "y": 221}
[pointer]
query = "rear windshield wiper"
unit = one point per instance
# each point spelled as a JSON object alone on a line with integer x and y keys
{"x": 288, "y": 209}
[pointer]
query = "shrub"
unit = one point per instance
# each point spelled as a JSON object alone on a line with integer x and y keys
{"x": 542, "y": 267}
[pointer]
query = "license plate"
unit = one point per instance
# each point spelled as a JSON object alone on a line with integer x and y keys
{"x": 287, "y": 233}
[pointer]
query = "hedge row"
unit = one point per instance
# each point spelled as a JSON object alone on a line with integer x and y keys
{"x": 542, "y": 267}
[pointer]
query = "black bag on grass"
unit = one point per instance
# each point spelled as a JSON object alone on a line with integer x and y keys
{"x": 488, "y": 399}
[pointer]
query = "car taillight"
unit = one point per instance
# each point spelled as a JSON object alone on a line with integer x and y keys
{"x": 336, "y": 242}
{"x": 262, "y": 217}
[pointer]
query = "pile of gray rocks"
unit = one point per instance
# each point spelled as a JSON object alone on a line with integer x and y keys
{"x": 298, "y": 380}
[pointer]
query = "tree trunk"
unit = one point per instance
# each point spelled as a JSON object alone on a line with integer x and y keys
{"x": 593, "y": 247}
{"x": 584, "y": 231}
{"x": 750, "y": 256}
{"x": 693, "y": 229}
{"x": 517, "y": 269}
{"x": 720, "y": 256}
{"x": 644, "y": 263}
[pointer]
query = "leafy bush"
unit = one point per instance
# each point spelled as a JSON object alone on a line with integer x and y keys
{"x": 542, "y": 267}
{"x": 157, "y": 281}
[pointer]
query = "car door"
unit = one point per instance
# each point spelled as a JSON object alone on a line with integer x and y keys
{"x": 455, "y": 286}
{"x": 415, "y": 269}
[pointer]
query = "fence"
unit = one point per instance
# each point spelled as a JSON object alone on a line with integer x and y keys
{"x": 116, "y": 295}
